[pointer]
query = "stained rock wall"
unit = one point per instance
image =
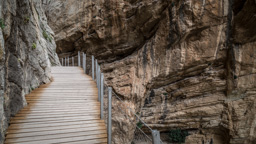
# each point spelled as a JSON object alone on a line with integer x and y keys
{"x": 180, "y": 64}
{"x": 27, "y": 52}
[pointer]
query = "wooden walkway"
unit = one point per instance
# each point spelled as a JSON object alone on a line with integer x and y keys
{"x": 65, "y": 111}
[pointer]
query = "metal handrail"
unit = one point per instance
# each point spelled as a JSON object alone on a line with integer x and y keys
{"x": 100, "y": 85}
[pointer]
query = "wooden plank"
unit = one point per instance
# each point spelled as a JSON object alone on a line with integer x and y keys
{"x": 57, "y": 128}
{"x": 68, "y": 106}
{"x": 63, "y": 106}
{"x": 23, "y": 117}
{"x": 68, "y": 88}
{"x": 77, "y": 93}
{"x": 69, "y": 85}
{"x": 38, "y": 124}
{"x": 59, "y": 104}
{"x": 56, "y": 136}
{"x": 57, "y": 113}
{"x": 50, "y": 112}
{"x": 65, "y": 91}
{"x": 45, "y": 111}
{"x": 75, "y": 107}
{"x": 82, "y": 101}
{"x": 29, "y": 125}
{"x": 54, "y": 119}
{"x": 60, "y": 98}
{"x": 62, "y": 95}
{"x": 85, "y": 95}
{"x": 76, "y": 83}
{"x": 95, "y": 141}
{"x": 71, "y": 139}
{"x": 69, "y": 79}
{"x": 44, "y": 133}
{"x": 95, "y": 98}
{"x": 59, "y": 121}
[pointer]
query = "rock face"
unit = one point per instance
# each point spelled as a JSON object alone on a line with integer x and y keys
{"x": 180, "y": 64}
{"x": 27, "y": 52}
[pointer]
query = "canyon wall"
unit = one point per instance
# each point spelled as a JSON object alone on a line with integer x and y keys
{"x": 179, "y": 64}
{"x": 27, "y": 52}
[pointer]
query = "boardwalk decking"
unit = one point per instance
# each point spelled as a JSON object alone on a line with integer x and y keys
{"x": 64, "y": 111}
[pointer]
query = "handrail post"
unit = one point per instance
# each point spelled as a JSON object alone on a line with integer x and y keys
{"x": 101, "y": 95}
{"x": 96, "y": 71}
{"x": 68, "y": 61}
{"x": 73, "y": 61}
{"x": 109, "y": 115}
{"x": 98, "y": 75}
{"x": 156, "y": 136}
{"x": 62, "y": 61}
{"x": 65, "y": 61}
{"x": 92, "y": 67}
{"x": 85, "y": 63}
{"x": 78, "y": 59}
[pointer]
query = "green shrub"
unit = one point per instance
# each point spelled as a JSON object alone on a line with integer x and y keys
{"x": 177, "y": 135}
{"x": 2, "y": 23}
{"x": 34, "y": 46}
{"x": 46, "y": 36}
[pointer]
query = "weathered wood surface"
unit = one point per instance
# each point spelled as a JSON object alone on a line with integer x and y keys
{"x": 64, "y": 111}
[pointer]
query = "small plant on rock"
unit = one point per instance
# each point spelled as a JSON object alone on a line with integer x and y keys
{"x": 34, "y": 46}
{"x": 2, "y": 23}
{"x": 26, "y": 19}
{"x": 19, "y": 60}
{"x": 46, "y": 36}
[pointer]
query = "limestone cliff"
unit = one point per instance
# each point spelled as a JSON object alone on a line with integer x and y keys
{"x": 27, "y": 52}
{"x": 180, "y": 64}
